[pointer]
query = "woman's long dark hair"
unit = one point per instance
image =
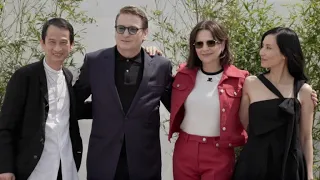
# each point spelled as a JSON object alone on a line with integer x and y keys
{"x": 289, "y": 45}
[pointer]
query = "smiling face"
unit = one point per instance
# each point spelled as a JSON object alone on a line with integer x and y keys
{"x": 57, "y": 45}
{"x": 126, "y": 41}
{"x": 270, "y": 53}
{"x": 207, "y": 48}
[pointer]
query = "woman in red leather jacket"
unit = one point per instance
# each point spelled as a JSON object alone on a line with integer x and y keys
{"x": 206, "y": 95}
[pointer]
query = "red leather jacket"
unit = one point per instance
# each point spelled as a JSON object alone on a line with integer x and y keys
{"x": 232, "y": 133}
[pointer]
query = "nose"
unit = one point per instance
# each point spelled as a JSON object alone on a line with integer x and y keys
{"x": 57, "y": 48}
{"x": 205, "y": 47}
{"x": 126, "y": 33}
{"x": 261, "y": 52}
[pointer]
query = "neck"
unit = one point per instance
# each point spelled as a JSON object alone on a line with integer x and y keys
{"x": 129, "y": 53}
{"x": 280, "y": 75}
{"x": 54, "y": 65}
{"x": 214, "y": 66}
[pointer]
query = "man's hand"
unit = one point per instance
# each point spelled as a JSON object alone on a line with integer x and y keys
{"x": 314, "y": 97}
{"x": 152, "y": 51}
{"x": 7, "y": 176}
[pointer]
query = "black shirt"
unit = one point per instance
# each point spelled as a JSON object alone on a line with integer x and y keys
{"x": 128, "y": 76}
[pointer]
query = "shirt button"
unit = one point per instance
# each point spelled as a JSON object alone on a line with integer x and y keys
{"x": 223, "y": 110}
{"x": 204, "y": 139}
{"x": 217, "y": 145}
{"x": 178, "y": 85}
{"x": 230, "y": 144}
{"x": 127, "y": 70}
{"x": 235, "y": 93}
{"x": 35, "y": 157}
{"x": 222, "y": 91}
{"x": 224, "y": 128}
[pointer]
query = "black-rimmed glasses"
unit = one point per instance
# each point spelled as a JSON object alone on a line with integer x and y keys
{"x": 132, "y": 30}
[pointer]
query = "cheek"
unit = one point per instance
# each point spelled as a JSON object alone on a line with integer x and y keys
{"x": 198, "y": 52}
{"x": 117, "y": 37}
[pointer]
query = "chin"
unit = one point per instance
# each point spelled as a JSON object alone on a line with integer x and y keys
{"x": 264, "y": 65}
{"x": 207, "y": 61}
{"x": 124, "y": 46}
{"x": 62, "y": 59}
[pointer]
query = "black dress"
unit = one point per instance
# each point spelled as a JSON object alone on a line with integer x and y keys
{"x": 273, "y": 150}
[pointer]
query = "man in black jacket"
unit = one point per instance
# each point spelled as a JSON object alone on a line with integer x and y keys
{"x": 39, "y": 132}
{"x": 127, "y": 86}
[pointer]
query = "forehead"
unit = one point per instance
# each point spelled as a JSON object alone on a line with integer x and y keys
{"x": 54, "y": 32}
{"x": 129, "y": 20}
{"x": 204, "y": 35}
{"x": 270, "y": 39}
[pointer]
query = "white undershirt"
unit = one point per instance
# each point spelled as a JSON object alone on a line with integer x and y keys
{"x": 57, "y": 144}
{"x": 202, "y": 107}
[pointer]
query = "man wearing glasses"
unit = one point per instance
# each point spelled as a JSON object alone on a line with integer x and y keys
{"x": 127, "y": 86}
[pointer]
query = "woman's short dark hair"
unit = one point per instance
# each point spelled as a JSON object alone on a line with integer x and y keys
{"x": 219, "y": 34}
{"x": 289, "y": 45}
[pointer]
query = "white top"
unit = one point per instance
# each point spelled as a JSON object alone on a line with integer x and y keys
{"x": 57, "y": 144}
{"x": 202, "y": 107}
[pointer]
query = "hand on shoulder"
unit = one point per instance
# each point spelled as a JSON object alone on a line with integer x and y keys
{"x": 305, "y": 95}
{"x": 7, "y": 176}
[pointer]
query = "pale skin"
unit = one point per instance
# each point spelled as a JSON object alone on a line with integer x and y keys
{"x": 253, "y": 91}
{"x": 130, "y": 45}
{"x": 56, "y": 47}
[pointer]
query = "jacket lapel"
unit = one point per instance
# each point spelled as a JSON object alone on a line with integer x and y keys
{"x": 68, "y": 78}
{"x": 43, "y": 84}
{"x": 108, "y": 65}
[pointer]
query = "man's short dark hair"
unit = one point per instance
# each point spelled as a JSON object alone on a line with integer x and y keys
{"x": 60, "y": 23}
{"x": 133, "y": 10}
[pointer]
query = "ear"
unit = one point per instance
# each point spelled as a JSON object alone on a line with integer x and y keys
{"x": 71, "y": 46}
{"x": 42, "y": 43}
{"x": 222, "y": 46}
{"x": 145, "y": 34}
{"x": 284, "y": 57}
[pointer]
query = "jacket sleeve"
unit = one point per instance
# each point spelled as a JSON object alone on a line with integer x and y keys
{"x": 82, "y": 91}
{"x": 10, "y": 117}
{"x": 166, "y": 96}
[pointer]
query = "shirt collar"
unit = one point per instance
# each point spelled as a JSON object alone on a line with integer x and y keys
{"x": 47, "y": 67}
{"x": 137, "y": 58}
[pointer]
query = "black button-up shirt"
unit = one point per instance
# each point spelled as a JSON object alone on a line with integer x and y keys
{"x": 128, "y": 76}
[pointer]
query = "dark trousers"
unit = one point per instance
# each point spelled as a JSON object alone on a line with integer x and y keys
{"x": 122, "y": 172}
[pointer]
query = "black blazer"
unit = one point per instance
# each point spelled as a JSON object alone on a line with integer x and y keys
{"x": 110, "y": 125}
{"x": 23, "y": 117}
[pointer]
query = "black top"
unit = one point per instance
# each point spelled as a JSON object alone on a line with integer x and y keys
{"x": 128, "y": 76}
{"x": 273, "y": 150}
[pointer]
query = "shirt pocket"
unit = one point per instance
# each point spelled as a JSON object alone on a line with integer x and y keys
{"x": 178, "y": 86}
{"x": 233, "y": 95}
